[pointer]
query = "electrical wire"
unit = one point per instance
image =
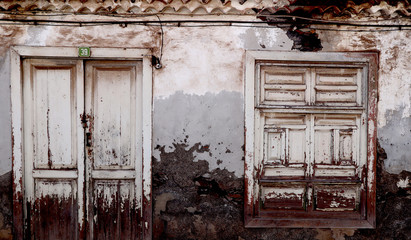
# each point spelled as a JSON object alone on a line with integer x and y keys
{"x": 332, "y": 21}
{"x": 222, "y": 25}
{"x": 214, "y": 23}
{"x": 271, "y": 19}
{"x": 133, "y": 15}
{"x": 85, "y": 23}
{"x": 162, "y": 40}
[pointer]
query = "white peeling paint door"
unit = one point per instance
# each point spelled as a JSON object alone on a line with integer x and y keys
{"x": 83, "y": 149}
{"x": 114, "y": 153}
{"x": 53, "y": 101}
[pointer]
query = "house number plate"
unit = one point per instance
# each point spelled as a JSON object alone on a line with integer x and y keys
{"x": 84, "y": 52}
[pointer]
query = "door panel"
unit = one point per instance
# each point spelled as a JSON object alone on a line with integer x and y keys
{"x": 54, "y": 119}
{"x": 53, "y": 143}
{"x": 114, "y": 98}
{"x": 55, "y": 209}
{"x": 336, "y": 140}
{"x": 114, "y": 209}
{"x": 114, "y": 156}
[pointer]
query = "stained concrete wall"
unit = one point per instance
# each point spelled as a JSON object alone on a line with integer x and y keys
{"x": 394, "y": 92}
{"x": 198, "y": 131}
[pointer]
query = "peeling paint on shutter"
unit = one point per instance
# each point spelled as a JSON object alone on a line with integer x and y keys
{"x": 309, "y": 145}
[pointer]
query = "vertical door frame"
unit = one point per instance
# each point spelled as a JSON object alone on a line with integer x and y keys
{"x": 17, "y": 54}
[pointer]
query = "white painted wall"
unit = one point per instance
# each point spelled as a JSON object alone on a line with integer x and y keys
{"x": 394, "y": 90}
{"x": 5, "y": 119}
{"x": 205, "y": 65}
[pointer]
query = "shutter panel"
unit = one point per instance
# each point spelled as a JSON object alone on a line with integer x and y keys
{"x": 335, "y": 140}
{"x": 334, "y": 197}
{"x": 285, "y": 142}
{"x": 283, "y": 197}
{"x": 310, "y": 143}
{"x": 283, "y": 85}
{"x": 337, "y": 86}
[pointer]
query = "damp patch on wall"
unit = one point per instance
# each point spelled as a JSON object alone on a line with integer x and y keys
{"x": 214, "y": 120}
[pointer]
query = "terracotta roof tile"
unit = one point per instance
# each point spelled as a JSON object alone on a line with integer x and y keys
{"x": 307, "y": 8}
{"x": 313, "y": 8}
{"x": 143, "y": 6}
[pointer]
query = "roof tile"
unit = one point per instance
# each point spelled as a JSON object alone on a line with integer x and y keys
{"x": 308, "y": 8}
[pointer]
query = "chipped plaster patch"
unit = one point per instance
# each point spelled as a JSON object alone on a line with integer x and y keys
{"x": 204, "y": 60}
{"x": 395, "y": 138}
{"x": 265, "y": 39}
{"x": 394, "y": 80}
{"x": 38, "y": 35}
{"x": 200, "y": 60}
{"x": 161, "y": 202}
{"x": 334, "y": 234}
{"x": 403, "y": 183}
{"x": 132, "y": 36}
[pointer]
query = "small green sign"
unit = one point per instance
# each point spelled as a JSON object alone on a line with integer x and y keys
{"x": 84, "y": 52}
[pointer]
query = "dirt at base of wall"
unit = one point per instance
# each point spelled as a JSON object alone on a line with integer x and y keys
{"x": 191, "y": 202}
{"x": 393, "y": 205}
{"x": 6, "y": 212}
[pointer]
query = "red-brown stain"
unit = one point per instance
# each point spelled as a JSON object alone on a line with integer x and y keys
{"x": 118, "y": 219}
{"x": 326, "y": 199}
{"x": 90, "y": 129}
{"x": 372, "y": 136}
{"x": 49, "y": 154}
{"x": 147, "y": 218}
{"x": 18, "y": 215}
{"x": 288, "y": 203}
{"x": 54, "y": 218}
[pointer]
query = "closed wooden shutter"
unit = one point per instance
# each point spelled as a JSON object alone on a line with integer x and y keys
{"x": 309, "y": 144}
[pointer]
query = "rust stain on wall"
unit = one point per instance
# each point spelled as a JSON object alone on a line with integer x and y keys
{"x": 131, "y": 36}
{"x": 392, "y": 60}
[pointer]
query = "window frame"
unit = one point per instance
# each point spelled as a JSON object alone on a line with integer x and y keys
{"x": 251, "y": 201}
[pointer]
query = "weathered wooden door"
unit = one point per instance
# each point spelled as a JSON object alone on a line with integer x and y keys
{"x": 114, "y": 153}
{"x": 82, "y": 149}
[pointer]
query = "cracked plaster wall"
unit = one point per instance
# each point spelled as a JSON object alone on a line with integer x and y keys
{"x": 198, "y": 131}
{"x": 394, "y": 87}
